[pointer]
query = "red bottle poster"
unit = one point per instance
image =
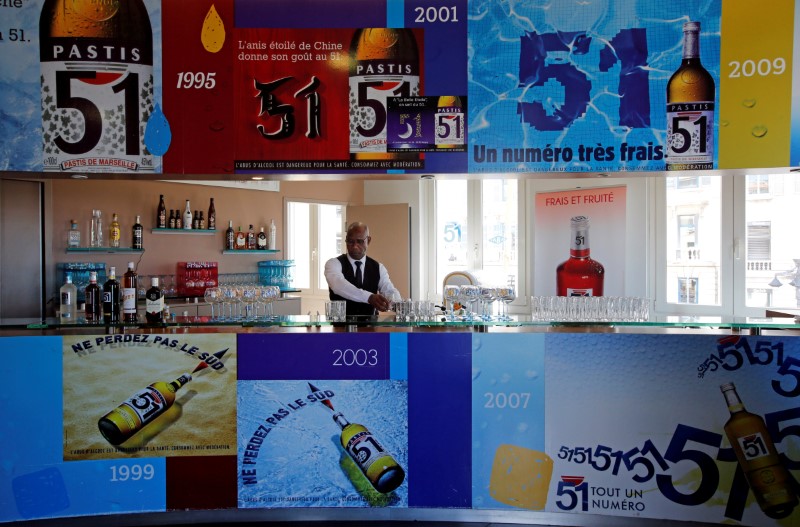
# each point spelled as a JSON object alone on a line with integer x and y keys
{"x": 601, "y": 237}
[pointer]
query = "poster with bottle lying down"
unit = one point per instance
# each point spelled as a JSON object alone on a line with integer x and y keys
{"x": 323, "y": 426}
{"x": 146, "y": 395}
{"x": 692, "y": 428}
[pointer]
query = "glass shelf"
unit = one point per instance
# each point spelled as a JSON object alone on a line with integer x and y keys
{"x": 201, "y": 232}
{"x": 108, "y": 250}
{"x": 251, "y": 251}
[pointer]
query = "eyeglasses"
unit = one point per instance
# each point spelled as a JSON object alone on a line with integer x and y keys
{"x": 355, "y": 241}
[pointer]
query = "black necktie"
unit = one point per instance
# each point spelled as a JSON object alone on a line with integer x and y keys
{"x": 359, "y": 280}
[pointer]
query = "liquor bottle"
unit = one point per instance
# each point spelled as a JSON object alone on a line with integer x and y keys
{"x": 261, "y": 240}
{"x": 96, "y": 59}
{"x": 195, "y": 220}
{"x": 690, "y": 109}
{"x": 378, "y": 465}
{"x": 97, "y": 228}
{"x": 130, "y": 283}
{"x": 251, "y": 238}
{"x": 171, "y": 219}
{"x": 142, "y": 408}
{"x": 201, "y": 223}
{"x": 579, "y": 275}
{"x": 212, "y": 216}
{"x": 230, "y": 237}
{"x": 273, "y": 236}
{"x": 154, "y": 303}
{"x": 384, "y": 62}
{"x": 111, "y": 294}
{"x": 73, "y": 235}
{"x": 178, "y": 219}
{"x": 69, "y": 301}
{"x": 114, "y": 233}
{"x": 241, "y": 239}
{"x": 769, "y": 480}
{"x": 187, "y": 216}
{"x": 449, "y": 122}
{"x": 93, "y": 230}
{"x": 94, "y": 299}
{"x": 161, "y": 215}
{"x": 137, "y": 234}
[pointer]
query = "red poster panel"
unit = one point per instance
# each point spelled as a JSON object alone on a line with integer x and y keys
{"x": 198, "y": 44}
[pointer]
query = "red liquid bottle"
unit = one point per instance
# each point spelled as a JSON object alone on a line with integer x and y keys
{"x": 579, "y": 275}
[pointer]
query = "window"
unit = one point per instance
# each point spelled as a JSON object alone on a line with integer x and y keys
{"x": 758, "y": 243}
{"x": 315, "y": 233}
{"x": 478, "y": 230}
{"x": 758, "y": 184}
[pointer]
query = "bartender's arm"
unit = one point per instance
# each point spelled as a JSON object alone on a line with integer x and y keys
{"x": 339, "y": 284}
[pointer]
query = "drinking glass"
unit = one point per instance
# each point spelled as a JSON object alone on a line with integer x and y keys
{"x": 248, "y": 300}
{"x": 506, "y": 295}
{"x": 487, "y": 295}
{"x": 470, "y": 294}
{"x": 212, "y": 295}
{"x": 451, "y": 293}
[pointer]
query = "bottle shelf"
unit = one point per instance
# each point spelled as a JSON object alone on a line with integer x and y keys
{"x": 251, "y": 251}
{"x": 206, "y": 232}
{"x": 107, "y": 250}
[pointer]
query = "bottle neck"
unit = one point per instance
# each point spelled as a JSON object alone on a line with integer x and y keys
{"x": 732, "y": 399}
{"x": 579, "y": 247}
{"x": 182, "y": 380}
{"x": 341, "y": 420}
{"x": 691, "y": 45}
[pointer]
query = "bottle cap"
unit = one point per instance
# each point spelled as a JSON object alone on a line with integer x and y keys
{"x": 131, "y": 265}
{"x": 154, "y": 281}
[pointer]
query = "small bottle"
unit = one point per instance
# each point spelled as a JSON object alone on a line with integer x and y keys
{"x": 187, "y": 216}
{"x": 69, "y": 301}
{"x": 161, "y": 214}
{"x": 130, "y": 283}
{"x": 141, "y": 408}
{"x": 171, "y": 218}
{"x": 201, "y": 223}
{"x": 380, "y": 468}
{"x": 755, "y": 451}
{"x": 111, "y": 297}
{"x": 154, "y": 303}
{"x": 579, "y": 275}
{"x": 137, "y": 234}
{"x": 261, "y": 240}
{"x": 98, "y": 229}
{"x": 114, "y": 233}
{"x": 241, "y": 239}
{"x": 74, "y": 235}
{"x": 94, "y": 300}
{"x": 251, "y": 238}
{"x": 196, "y": 220}
{"x": 178, "y": 219}
{"x": 273, "y": 236}
{"x": 230, "y": 237}
{"x": 212, "y": 216}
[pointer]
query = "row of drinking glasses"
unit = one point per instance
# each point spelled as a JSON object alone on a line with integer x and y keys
{"x": 166, "y": 282}
{"x": 474, "y": 302}
{"x": 590, "y": 308}
{"x": 242, "y": 302}
{"x": 415, "y": 311}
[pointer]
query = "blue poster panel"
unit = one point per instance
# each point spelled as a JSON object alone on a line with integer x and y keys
{"x": 583, "y": 87}
{"x": 510, "y": 468}
{"x": 693, "y": 428}
{"x": 322, "y": 421}
{"x": 35, "y": 481}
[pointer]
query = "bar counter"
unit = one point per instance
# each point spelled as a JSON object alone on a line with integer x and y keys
{"x": 300, "y": 418}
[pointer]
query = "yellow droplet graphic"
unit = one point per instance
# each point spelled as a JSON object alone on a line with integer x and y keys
{"x": 213, "y": 34}
{"x": 759, "y": 131}
{"x": 749, "y": 103}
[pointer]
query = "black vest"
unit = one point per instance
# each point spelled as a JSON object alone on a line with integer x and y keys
{"x": 371, "y": 276}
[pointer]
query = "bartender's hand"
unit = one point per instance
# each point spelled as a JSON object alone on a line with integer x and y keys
{"x": 379, "y": 302}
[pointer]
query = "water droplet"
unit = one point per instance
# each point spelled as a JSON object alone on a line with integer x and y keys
{"x": 724, "y": 123}
{"x": 157, "y": 134}
{"x": 532, "y": 374}
{"x": 213, "y": 34}
{"x": 476, "y": 372}
{"x": 217, "y": 126}
{"x": 759, "y": 131}
{"x": 749, "y": 103}
{"x": 522, "y": 428}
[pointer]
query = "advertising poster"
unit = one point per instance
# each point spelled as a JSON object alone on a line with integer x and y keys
{"x": 149, "y": 396}
{"x": 690, "y": 428}
{"x": 510, "y": 467}
{"x": 322, "y": 422}
{"x": 590, "y": 86}
{"x": 600, "y": 238}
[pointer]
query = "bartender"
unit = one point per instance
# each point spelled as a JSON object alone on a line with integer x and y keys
{"x": 358, "y": 279}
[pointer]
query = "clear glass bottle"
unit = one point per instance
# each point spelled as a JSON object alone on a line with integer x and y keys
{"x": 74, "y": 235}
{"x": 69, "y": 301}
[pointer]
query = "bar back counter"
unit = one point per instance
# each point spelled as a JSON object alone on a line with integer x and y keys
{"x": 298, "y": 418}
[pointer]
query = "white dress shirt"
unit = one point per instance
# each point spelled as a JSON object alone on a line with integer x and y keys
{"x": 339, "y": 284}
